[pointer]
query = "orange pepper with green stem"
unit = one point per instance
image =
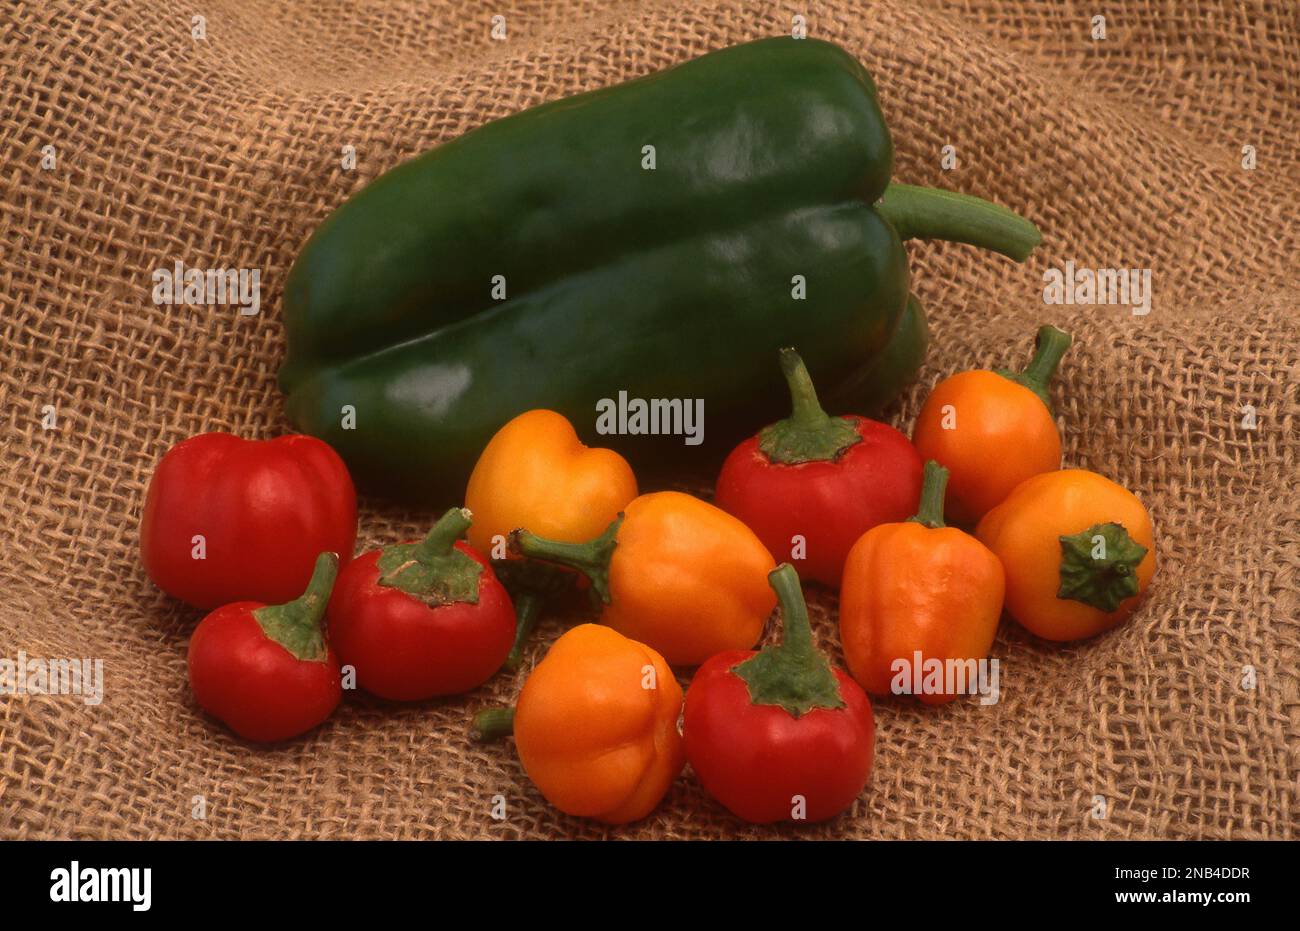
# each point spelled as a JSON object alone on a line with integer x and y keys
{"x": 595, "y": 726}
{"x": 919, "y": 587}
{"x": 536, "y": 473}
{"x": 1079, "y": 551}
{"x": 992, "y": 430}
{"x": 673, "y": 572}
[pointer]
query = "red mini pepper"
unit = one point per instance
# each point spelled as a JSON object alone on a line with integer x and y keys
{"x": 779, "y": 735}
{"x": 818, "y": 480}
{"x": 267, "y": 670}
{"x": 422, "y": 619}
{"x": 228, "y": 519}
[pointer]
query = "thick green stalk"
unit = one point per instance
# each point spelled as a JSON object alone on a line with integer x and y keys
{"x": 590, "y": 558}
{"x": 933, "y": 213}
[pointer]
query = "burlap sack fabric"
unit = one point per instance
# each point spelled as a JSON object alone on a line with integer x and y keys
{"x": 224, "y": 151}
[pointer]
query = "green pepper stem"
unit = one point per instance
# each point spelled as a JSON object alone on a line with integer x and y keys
{"x": 528, "y": 605}
{"x": 796, "y": 628}
{"x": 492, "y": 724}
{"x": 440, "y": 540}
{"x": 313, "y": 600}
{"x": 933, "y": 488}
{"x": 1050, "y": 347}
{"x": 296, "y": 625}
{"x": 1099, "y": 566}
{"x": 434, "y": 570}
{"x": 590, "y": 558}
{"x": 932, "y": 213}
{"x": 809, "y": 434}
{"x": 791, "y": 674}
{"x": 806, "y": 410}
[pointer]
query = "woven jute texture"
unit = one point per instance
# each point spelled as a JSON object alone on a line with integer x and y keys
{"x": 224, "y": 150}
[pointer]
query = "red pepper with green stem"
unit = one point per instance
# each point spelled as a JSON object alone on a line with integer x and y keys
{"x": 779, "y": 735}
{"x": 820, "y": 479}
{"x": 422, "y": 619}
{"x": 267, "y": 671}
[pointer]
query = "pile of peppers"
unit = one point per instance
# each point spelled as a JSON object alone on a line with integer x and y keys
{"x": 928, "y": 540}
{"x": 776, "y": 734}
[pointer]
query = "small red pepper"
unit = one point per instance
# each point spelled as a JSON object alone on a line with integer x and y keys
{"x": 422, "y": 619}
{"x": 779, "y": 735}
{"x": 228, "y": 519}
{"x": 267, "y": 671}
{"x": 810, "y": 485}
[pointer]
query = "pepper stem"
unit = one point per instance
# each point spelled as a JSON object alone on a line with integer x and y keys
{"x": 1050, "y": 346}
{"x": 933, "y": 488}
{"x": 807, "y": 412}
{"x": 933, "y": 213}
{"x": 590, "y": 558}
{"x": 528, "y": 605}
{"x": 434, "y": 570}
{"x": 492, "y": 724}
{"x": 809, "y": 433}
{"x": 530, "y": 585}
{"x": 444, "y": 534}
{"x": 796, "y": 628}
{"x": 791, "y": 674}
{"x": 296, "y": 625}
{"x": 1099, "y": 566}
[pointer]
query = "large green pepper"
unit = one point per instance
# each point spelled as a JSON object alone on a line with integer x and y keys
{"x": 661, "y": 238}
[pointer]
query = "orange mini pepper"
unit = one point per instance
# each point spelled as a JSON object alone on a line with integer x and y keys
{"x": 674, "y": 572}
{"x": 596, "y": 726}
{"x": 919, "y": 587}
{"x": 1078, "y": 550}
{"x": 992, "y": 430}
{"x": 536, "y": 473}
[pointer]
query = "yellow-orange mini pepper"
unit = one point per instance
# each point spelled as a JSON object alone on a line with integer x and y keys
{"x": 536, "y": 473}
{"x": 596, "y": 726}
{"x": 1078, "y": 549}
{"x": 992, "y": 430}
{"x": 674, "y": 572}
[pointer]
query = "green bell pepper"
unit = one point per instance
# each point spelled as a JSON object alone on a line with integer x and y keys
{"x": 662, "y": 237}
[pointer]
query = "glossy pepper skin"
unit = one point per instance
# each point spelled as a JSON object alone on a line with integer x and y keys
{"x": 825, "y": 480}
{"x": 440, "y": 302}
{"x": 993, "y": 430}
{"x": 1079, "y": 551}
{"x": 424, "y": 618}
{"x": 536, "y": 473}
{"x": 596, "y": 726}
{"x": 267, "y": 671}
{"x": 264, "y": 509}
{"x": 918, "y": 587}
{"x": 675, "y": 573}
{"x": 766, "y": 730}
